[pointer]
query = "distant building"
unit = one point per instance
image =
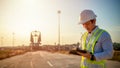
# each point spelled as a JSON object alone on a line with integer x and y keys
{"x": 35, "y": 38}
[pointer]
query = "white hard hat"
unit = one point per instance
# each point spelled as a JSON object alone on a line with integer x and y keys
{"x": 86, "y": 15}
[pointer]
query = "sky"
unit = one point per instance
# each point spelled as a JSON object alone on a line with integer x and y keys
{"x": 21, "y": 17}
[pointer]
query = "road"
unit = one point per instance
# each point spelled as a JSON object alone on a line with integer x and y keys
{"x": 42, "y": 59}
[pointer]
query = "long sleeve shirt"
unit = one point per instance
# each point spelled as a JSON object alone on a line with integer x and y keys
{"x": 104, "y": 48}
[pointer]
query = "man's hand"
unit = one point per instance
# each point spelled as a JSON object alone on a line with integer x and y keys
{"x": 87, "y": 55}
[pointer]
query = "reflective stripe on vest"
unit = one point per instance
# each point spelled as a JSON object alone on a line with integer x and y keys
{"x": 90, "y": 47}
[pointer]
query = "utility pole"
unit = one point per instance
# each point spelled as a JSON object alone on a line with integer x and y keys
{"x": 59, "y": 12}
{"x": 2, "y": 41}
{"x": 13, "y": 39}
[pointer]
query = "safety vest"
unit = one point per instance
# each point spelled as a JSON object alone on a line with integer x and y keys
{"x": 86, "y": 63}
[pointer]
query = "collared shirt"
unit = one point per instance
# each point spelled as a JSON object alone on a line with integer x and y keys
{"x": 90, "y": 34}
{"x": 104, "y": 47}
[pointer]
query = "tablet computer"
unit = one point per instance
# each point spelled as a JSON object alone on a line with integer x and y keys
{"x": 82, "y": 51}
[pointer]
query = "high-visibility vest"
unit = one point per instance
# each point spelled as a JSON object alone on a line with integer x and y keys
{"x": 87, "y": 63}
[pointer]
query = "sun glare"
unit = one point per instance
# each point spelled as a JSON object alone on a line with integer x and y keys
{"x": 25, "y": 16}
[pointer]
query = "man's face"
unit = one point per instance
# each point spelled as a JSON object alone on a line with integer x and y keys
{"x": 89, "y": 26}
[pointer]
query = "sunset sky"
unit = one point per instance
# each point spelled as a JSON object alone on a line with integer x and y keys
{"x": 23, "y": 16}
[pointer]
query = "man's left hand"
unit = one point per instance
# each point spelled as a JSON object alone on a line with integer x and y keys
{"x": 87, "y": 55}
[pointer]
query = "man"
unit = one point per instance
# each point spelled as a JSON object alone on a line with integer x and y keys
{"x": 97, "y": 42}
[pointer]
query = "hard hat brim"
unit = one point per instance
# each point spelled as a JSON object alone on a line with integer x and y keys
{"x": 84, "y": 21}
